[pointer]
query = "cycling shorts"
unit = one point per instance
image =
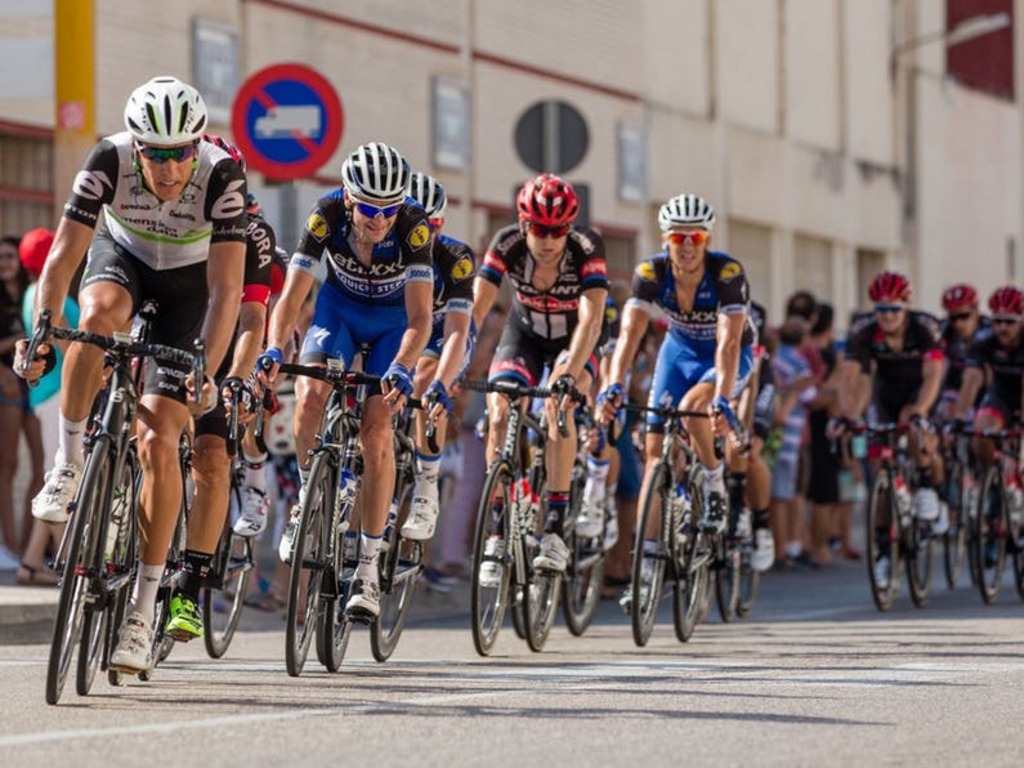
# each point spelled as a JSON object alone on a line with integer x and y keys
{"x": 523, "y": 356}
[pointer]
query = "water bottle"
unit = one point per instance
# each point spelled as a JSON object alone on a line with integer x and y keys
{"x": 345, "y": 497}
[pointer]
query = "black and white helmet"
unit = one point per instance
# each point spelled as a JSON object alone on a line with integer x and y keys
{"x": 430, "y": 194}
{"x": 376, "y": 173}
{"x": 686, "y": 211}
{"x": 165, "y": 112}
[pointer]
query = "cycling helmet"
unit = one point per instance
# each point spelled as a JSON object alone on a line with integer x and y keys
{"x": 1006, "y": 301}
{"x": 686, "y": 211}
{"x": 227, "y": 146}
{"x": 959, "y": 296}
{"x": 165, "y": 112}
{"x": 548, "y": 200}
{"x": 890, "y": 286}
{"x": 376, "y": 173}
{"x": 429, "y": 194}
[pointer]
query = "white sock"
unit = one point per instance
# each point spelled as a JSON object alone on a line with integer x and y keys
{"x": 714, "y": 479}
{"x": 426, "y": 478}
{"x": 369, "y": 549}
{"x": 256, "y": 476}
{"x": 597, "y": 480}
{"x": 147, "y": 584}
{"x": 71, "y": 441}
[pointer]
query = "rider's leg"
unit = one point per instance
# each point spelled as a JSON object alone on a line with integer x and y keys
{"x": 423, "y": 514}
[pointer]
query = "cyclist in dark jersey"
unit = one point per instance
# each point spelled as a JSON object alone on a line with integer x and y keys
{"x": 902, "y": 349}
{"x": 996, "y": 356}
{"x": 369, "y": 245}
{"x": 963, "y": 323}
{"x": 559, "y": 276}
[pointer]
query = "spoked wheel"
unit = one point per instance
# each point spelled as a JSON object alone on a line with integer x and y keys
{"x": 918, "y": 538}
{"x": 649, "y": 557}
{"x": 540, "y": 606}
{"x": 883, "y": 542}
{"x": 399, "y": 566}
{"x": 1018, "y": 569}
{"x": 727, "y": 579}
{"x": 76, "y": 583}
{"x": 223, "y": 601}
{"x": 750, "y": 580}
{"x": 989, "y": 539}
{"x": 489, "y": 593}
{"x": 692, "y": 553}
{"x": 582, "y": 583}
{"x": 309, "y": 567}
{"x": 954, "y": 540}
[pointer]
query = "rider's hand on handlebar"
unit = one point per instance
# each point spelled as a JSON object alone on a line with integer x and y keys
{"x": 436, "y": 400}
{"x": 563, "y": 387}
{"x": 247, "y": 401}
{"x": 723, "y": 419}
{"x": 208, "y": 400}
{"x": 396, "y": 384}
{"x": 44, "y": 362}
{"x": 267, "y": 366}
{"x": 608, "y": 403}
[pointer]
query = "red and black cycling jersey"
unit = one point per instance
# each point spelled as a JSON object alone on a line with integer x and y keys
{"x": 956, "y": 348}
{"x": 552, "y": 313}
{"x": 1006, "y": 365}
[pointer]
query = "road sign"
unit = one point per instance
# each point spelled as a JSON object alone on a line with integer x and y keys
{"x": 551, "y": 136}
{"x": 287, "y": 120}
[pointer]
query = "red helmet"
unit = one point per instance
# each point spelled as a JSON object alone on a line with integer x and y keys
{"x": 227, "y": 146}
{"x": 959, "y": 296}
{"x": 548, "y": 200}
{"x": 1006, "y": 301}
{"x": 890, "y": 286}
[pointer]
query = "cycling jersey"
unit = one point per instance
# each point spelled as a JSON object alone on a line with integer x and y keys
{"x": 327, "y": 244}
{"x": 454, "y": 270}
{"x": 163, "y": 235}
{"x": 550, "y": 314}
{"x": 1005, "y": 364}
{"x": 956, "y": 348}
{"x": 611, "y": 327}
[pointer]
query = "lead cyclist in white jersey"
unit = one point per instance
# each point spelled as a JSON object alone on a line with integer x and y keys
{"x": 173, "y": 231}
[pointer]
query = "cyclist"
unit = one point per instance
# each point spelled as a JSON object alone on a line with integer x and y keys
{"x": 707, "y": 355}
{"x": 173, "y": 231}
{"x": 211, "y": 465}
{"x": 961, "y": 326}
{"x": 373, "y": 245}
{"x": 559, "y": 275}
{"x": 447, "y": 353}
{"x": 903, "y": 349}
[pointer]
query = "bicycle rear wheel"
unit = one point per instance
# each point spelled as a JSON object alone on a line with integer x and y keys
{"x": 223, "y": 600}
{"x": 581, "y": 586}
{"x": 649, "y": 562}
{"x": 399, "y": 566}
{"x": 310, "y": 566}
{"x": 954, "y": 540}
{"x": 489, "y": 592}
{"x": 79, "y": 567}
{"x": 989, "y": 539}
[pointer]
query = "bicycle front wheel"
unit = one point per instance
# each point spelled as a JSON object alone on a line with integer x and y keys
{"x": 692, "y": 554}
{"x": 489, "y": 592}
{"x": 649, "y": 556}
{"x": 954, "y": 540}
{"x": 224, "y": 598}
{"x": 917, "y": 545}
{"x": 581, "y": 586}
{"x": 399, "y": 566}
{"x": 989, "y": 539}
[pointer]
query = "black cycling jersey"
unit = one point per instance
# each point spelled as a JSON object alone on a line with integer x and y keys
{"x": 1005, "y": 364}
{"x": 956, "y": 352}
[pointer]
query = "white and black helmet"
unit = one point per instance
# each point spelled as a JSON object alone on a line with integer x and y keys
{"x": 165, "y": 112}
{"x": 376, "y": 173}
{"x": 686, "y": 211}
{"x": 430, "y": 194}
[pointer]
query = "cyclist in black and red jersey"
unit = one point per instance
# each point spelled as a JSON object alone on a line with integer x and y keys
{"x": 996, "y": 356}
{"x": 902, "y": 348}
{"x": 961, "y": 327}
{"x": 560, "y": 280}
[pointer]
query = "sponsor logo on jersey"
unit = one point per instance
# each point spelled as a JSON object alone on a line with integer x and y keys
{"x": 645, "y": 271}
{"x": 231, "y": 204}
{"x": 594, "y": 267}
{"x": 91, "y": 185}
{"x": 317, "y": 227}
{"x": 462, "y": 268}
{"x": 730, "y": 271}
{"x": 419, "y": 236}
{"x": 611, "y": 313}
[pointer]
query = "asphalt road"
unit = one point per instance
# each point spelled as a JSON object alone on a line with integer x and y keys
{"x": 815, "y": 677}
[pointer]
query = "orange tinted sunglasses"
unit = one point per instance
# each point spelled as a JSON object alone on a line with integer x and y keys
{"x": 697, "y": 237}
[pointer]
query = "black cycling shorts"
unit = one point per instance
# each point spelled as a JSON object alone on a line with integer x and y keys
{"x": 522, "y": 355}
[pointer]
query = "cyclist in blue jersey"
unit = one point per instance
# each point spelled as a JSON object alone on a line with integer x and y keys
{"x": 707, "y": 355}
{"x": 446, "y": 355}
{"x": 370, "y": 247}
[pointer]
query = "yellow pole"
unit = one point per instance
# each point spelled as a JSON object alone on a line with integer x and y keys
{"x": 74, "y": 67}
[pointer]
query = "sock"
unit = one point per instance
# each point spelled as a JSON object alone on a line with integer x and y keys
{"x": 369, "y": 549}
{"x": 147, "y": 584}
{"x": 794, "y": 549}
{"x": 925, "y": 477}
{"x": 714, "y": 479}
{"x": 255, "y": 477}
{"x": 426, "y": 478}
{"x": 737, "y": 490}
{"x": 597, "y": 481}
{"x": 762, "y": 519}
{"x": 197, "y": 568}
{"x": 71, "y": 445}
{"x": 558, "y": 502}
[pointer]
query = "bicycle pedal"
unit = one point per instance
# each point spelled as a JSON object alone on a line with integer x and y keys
{"x": 359, "y": 616}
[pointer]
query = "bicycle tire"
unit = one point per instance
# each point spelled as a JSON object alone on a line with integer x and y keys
{"x": 489, "y": 602}
{"x": 691, "y": 554}
{"x": 335, "y": 628}
{"x": 235, "y": 573}
{"x": 67, "y": 629}
{"x": 990, "y": 526}
{"x": 540, "y": 606}
{"x": 750, "y": 579}
{"x": 954, "y": 540}
{"x": 643, "y": 607}
{"x": 127, "y": 566}
{"x": 581, "y": 586}
{"x": 918, "y": 559}
{"x": 399, "y": 567}
{"x": 308, "y": 567}
{"x": 881, "y": 504}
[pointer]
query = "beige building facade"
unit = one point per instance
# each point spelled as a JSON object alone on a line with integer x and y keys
{"x": 791, "y": 116}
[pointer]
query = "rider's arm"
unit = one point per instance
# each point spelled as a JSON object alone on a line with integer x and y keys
{"x": 588, "y": 329}
{"x": 853, "y": 394}
{"x": 225, "y": 268}
{"x": 297, "y": 285}
{"x": 69, "y": 247}
{"x": 727, "y": 352}
{"x": 456, "y": 337}
{"x": 484, "y": 293}
{"x": 252, "y": 319}
{"x": 972, "y": 381}
{"x": 419, "y": 304}
{"x": 931, "y": 371}
{"x": 635, "y": 320}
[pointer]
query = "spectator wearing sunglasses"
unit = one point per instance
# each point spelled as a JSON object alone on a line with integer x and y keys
{"x": 707, "y": 357}
{"x": 962, "y": 325}
{"x": 369, "y": 247}
{"x": 558, "y": 273}
{"x": 172, "y": 231}
{"x": 893, "y": 369}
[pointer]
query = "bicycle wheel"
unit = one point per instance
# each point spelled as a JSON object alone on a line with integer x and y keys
{"x": 399, "y": 567}
{"x": 749, "y": 579}
{"x": 335, "y": 628}
{"x": 954, "y": 540}
{"x": 223, "y": 599}
{"x": 883, "y": 534}
{"x": 727, "y": 580}
{"x": 489, "y": 592}
{"x": 918, "y": 551}
{"x": 648, "y": 560}
{"x": 692, "y": 555}
{"x": 989, "y": 539}
{"x": 78, "y": 571}
{"x": 540, "y": 606}
{"x": 309, "y": 566}
{"x": 581, "y": 586}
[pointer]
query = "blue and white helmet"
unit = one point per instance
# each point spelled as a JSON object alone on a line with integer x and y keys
{"x": 686, "y": 211}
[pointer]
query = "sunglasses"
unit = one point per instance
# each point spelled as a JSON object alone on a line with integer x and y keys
{"x": 960, "y": 316}
{"x": 893, "y": 308}
{"x": 435, "y": 224}
{"x": 697, "y": 237}
{"x": 560, "y": 230}
{"x": 1011, "y": 320}
{"x": 372, "y": 211}
{"x": 162, "y": 154}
